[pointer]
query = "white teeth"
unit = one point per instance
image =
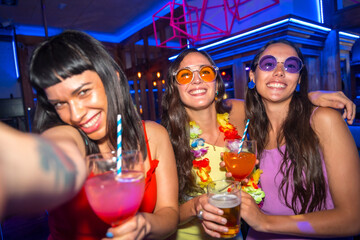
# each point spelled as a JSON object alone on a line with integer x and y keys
{"x": 198, "y": 91}
{"x": 92, "y": 122}
{"x": 276, "y": 85}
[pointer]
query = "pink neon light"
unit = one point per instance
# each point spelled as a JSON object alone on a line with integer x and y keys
{"x": 196, "y": 22}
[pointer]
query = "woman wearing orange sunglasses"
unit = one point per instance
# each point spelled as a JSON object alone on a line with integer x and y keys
{"x": 195, "y": 112}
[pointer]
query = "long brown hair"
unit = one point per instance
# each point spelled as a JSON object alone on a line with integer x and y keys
{"x": 176, "y": 121}
{"x": 302, "y": 162}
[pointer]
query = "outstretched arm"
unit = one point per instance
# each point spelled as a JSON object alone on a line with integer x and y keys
{"x": 334, "y": 99}
{"x": 36, "y": 171}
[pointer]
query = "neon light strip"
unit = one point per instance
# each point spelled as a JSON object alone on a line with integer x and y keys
{"x": 243, "y": 34}
{"x": 321, "y": 11}
{"x": 15, "y": 59}
{"x": 309, "y": 24}
{"x": 349, "y": 35}
{"x": 237, "y": 36}
{"x": 260, "y": 29}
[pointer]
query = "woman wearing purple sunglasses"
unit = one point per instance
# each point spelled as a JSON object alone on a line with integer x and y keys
{"x": 195, "y": 112}
{"x": 311, "y": 166}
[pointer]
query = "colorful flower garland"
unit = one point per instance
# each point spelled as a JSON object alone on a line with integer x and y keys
{"x": 203, "y": 164}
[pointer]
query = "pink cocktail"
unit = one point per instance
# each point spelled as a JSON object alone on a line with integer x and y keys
{"x": 115, "y": 198}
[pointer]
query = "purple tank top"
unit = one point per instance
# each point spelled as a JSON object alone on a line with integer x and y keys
{"x": 270, "y": 181}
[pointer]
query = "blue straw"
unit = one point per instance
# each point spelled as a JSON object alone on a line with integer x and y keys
{"x": 119, "y": 145}
{"x": 244, "y": 135}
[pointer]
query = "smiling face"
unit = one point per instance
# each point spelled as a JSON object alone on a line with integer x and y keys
{"x": 277, "y": 85}
{"x": 81, "y": 101}
{"x": 196, "y": 94}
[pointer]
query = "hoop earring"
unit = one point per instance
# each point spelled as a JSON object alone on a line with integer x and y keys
{"x": 297, "y": 89}
{"x": 251, "y": 84}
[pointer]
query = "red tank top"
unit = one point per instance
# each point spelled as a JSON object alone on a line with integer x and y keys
{"x": 76, "y": 220}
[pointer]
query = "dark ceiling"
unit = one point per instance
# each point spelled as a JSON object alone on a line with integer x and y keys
{"x": 111, "y": 17}
{"x": 103, "y": 16}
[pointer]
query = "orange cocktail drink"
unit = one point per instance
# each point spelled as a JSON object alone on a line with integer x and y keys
{"x": 240, "y": 157}
{"x": 240, "y": 165}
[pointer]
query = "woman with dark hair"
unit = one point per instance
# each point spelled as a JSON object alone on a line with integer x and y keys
{"x": 311, "y": 169}
{"x": 199, "y": 120}
{"x": 80, "y": 90}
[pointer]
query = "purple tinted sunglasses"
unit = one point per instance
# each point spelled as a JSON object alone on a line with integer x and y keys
{"x": 291, "y": 65}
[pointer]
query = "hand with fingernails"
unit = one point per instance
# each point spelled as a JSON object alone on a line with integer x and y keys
{"x": 210, "y": 216}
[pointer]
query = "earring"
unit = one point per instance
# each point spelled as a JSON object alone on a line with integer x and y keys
{"x": 251, "y": 84}
{"x": 216, "y": 95}
{"x": 297, "y": 89}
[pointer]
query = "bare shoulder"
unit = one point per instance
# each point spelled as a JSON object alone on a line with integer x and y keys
{"x": 155, "y": 130}
{"x": 323, "y": 118}
{"x": 236, "y": 103}
{"x": 159, "y": 142}
{"x": 328, "y": 123}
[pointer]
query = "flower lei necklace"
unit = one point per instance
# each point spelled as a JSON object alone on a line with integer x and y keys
{"x": 203, "y": 164}
{"x": 198, "y": 149}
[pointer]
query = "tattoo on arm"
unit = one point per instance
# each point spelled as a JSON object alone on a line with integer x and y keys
{"x": 53, "y": 160}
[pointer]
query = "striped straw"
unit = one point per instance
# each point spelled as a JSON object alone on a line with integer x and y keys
{"x": 119, "y": 145}
{"x": 244, "y": 134}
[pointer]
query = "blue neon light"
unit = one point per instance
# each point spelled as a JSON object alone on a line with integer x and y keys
{"x": 146, "y": 90}
{"x": 30, "y": 30}
{"x": 134, "y": 26}
{"x": 260, "y": 29}
{"x": 15, "y": 59}
{"x": 243, "y": 34}
{"x": 349, "y": 35}
{"x": 321, "y": 11}
{"x": 309, "y": 24}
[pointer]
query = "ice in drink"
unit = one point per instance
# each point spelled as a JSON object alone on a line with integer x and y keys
{"x": 240, "y": 165}
{"x": 115, "y": 198}
{"x": 230, "y": 204}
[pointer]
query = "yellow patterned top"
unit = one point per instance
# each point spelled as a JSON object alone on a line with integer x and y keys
{"x": 193, "y": 230}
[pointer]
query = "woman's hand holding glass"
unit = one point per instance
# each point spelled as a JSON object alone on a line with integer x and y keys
{"x": 210, "y": 216}
{"x": 136, "y": 227}
{"x": 115, "y": 197}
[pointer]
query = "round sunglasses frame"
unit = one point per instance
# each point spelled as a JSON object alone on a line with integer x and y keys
{"x": 215, "y": 68}
{"x": 285, "y": 68}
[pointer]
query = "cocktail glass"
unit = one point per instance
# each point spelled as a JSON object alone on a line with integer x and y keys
{"x": 240, "y": 164}
{"x": 115, "y": 197}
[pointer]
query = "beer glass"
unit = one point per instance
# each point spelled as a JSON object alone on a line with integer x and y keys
{"x": 226, "y": 195}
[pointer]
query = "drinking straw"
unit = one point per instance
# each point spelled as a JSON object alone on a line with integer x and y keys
{"x": 244, "y": 134}
{"x": 119, "y": 143}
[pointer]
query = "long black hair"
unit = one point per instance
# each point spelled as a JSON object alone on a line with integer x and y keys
{"x": 71, "y": 53}
{"x": 302, "y": 163}
{"x": 176, "y": 121}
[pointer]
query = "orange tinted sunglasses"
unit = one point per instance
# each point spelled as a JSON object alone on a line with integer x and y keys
{"x": 186, "y": 75}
